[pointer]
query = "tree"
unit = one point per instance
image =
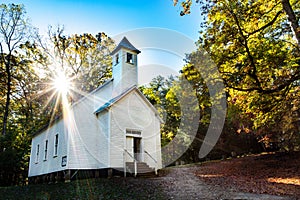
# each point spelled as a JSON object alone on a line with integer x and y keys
{"x": 290, "y": 7}
{"x": 24, "y": 119}
{"x": 255, "y": 45}
{"x": 292, "y": 17}
{"x": 14, "y": 30}
{"x": 85, "y": 59}
{"x": 160, "y": 92}
{"x": 18, "y": 85}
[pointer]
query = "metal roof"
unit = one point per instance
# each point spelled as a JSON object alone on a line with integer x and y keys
{"x": 113, "y": 100}
{"x": 127, "y": 45}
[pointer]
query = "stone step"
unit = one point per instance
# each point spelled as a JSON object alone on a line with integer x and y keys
{"x": 142, "y": 168}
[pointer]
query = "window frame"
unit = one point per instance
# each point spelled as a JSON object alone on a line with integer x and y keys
{"x": 130, "y": 61}
{"x": 56, "y": 142}
{"x": 46, "y": 150}
{"x": 134, "y": 132}
{"x": 117, "y": 59}
{"x": 37, "y": 153}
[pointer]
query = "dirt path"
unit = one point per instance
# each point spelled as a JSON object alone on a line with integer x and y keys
{"x": 181, "y": 183}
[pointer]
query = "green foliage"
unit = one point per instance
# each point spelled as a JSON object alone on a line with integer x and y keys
{"x": 161, "y": 93}
{"x": 256, "y": 49}
{"x": 84, "y": 58}
{"x": 18, "y": 87}
{"x": 14, "y": 159}
{"x": 14, "y": 30}
{"x": 179, "y": 102}
{"x": 186, "y": 6}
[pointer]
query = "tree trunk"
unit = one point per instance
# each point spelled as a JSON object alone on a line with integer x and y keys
{"x": 292, "y": 18}
{"x": 7, "y": 104}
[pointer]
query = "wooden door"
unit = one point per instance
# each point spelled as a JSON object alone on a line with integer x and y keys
{"x": 137, "y": 148}
{"x": 130, "y": 149}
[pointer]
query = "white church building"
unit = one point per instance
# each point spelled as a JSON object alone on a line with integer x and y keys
{"x": 114, "y": 129}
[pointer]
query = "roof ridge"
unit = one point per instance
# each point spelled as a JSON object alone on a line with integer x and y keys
{"x": 114, "y": 99}
{"x": 124, "y": 43}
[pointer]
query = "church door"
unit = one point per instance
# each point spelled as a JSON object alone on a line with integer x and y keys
{"x": 134, "y": 148}
{"x": 137, "y": 148}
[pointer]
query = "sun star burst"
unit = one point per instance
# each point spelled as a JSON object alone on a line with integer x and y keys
{"x": 62, "y": 84}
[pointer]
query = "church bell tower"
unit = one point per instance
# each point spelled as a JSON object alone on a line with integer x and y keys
{"x": 124, "y": 68}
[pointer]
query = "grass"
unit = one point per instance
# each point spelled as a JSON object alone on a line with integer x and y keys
{"x": 115, "y": 188}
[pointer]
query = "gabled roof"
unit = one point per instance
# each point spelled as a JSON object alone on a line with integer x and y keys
{"x": 113, "y": 100}
{"x": 125, "y": 44}
{"x": 123, "y": 94}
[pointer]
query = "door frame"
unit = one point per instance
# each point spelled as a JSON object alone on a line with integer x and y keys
{"x": 135, "y": 135}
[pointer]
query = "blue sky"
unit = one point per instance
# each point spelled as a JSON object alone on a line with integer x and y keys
{"x": 110, "y": 16}
{"x": 118, "y": 16}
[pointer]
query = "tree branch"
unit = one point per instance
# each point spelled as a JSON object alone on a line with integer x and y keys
{"x": 267, "y": 91}
{"x": 267, "y": 25}
{"x": 251, "y": 59}
{"x": 292, "y": 18}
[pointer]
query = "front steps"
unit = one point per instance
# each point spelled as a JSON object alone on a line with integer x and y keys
{"x": 143, "y": 170}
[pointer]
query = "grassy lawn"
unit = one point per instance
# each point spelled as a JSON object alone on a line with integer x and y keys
{"x": 115, "y": 188}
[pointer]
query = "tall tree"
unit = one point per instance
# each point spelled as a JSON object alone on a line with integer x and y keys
{"x": 83, "y": 58}
{"x": 20, "y": 109}
{"x": 160, "y": 92}
{"x": 255, "y": 45}
{"x": 14, "y": 30}
{"x": 25, "y": 118}
{"x": 290, "y": 7}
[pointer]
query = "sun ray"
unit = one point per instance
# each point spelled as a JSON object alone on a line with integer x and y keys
{"x": 61, "y": 83}
{"x": 53, "y": 94}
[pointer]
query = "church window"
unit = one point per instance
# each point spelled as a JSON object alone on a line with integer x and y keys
{"x": 46, "y": 150}
{"x": 116, "y": 59}
{"x": 55, "y": 145}
{"x": 37, "y": 153}
{"x": 129, "y": 58}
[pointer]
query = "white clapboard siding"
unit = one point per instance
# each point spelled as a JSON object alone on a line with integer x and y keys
{"x": 80, "y": 137}
{"x": 53, "y": 162}
{"x": 88, "y": 146}
{"x": 133, "y": 112}
{"x": 83, "y": 138}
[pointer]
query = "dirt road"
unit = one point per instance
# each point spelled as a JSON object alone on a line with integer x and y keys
{"x": 181, "y": 183}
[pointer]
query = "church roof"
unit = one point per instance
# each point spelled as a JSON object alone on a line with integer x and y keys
{"x": 127, "y": 45}
{"x": 113, "y": 100}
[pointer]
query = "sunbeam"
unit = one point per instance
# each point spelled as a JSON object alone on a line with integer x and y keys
{"x": 61, "y": 83}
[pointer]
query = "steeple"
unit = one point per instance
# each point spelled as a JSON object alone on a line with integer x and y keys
{"x": 126, "y": 45}
{"x": 124, "y": 66}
